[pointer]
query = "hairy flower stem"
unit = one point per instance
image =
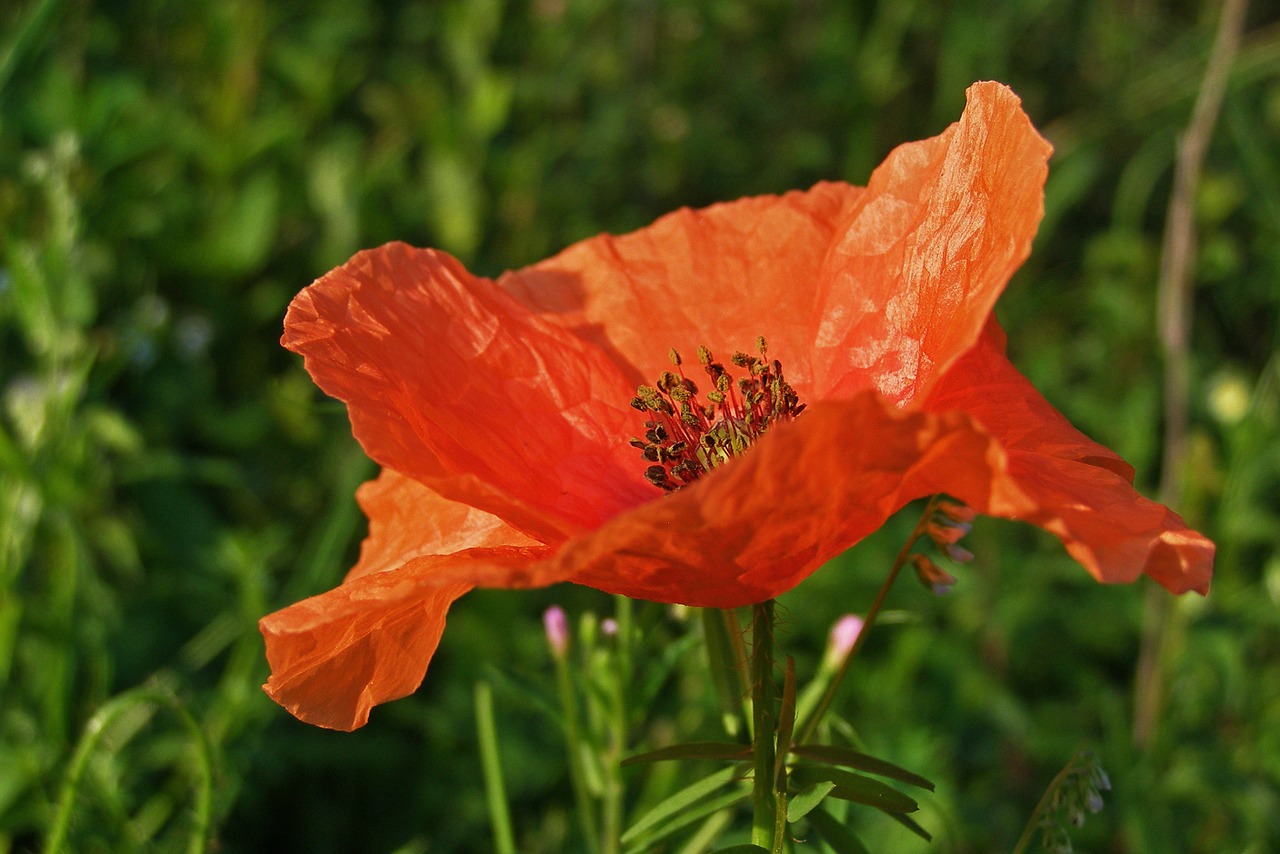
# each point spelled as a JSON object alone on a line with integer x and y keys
{"x": 764, "y": 717}
{"x": 811, "y": 724}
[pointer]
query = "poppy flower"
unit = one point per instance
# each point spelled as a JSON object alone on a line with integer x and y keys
{"x": 516, "y": 451}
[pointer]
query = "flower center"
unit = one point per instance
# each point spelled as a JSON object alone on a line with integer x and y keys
{"x": 685, "y": 438}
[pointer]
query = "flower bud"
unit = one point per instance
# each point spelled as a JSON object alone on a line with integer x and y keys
{"x": 844, "y": 633}
{"x": 956, "y": 512}
{"x": 557, "y": 628}
{"x": 932, "y": 576}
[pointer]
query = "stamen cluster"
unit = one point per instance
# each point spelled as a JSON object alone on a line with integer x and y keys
{"x": 685, "y": 438}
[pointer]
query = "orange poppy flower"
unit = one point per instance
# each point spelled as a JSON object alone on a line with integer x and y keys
{"x": 501, "y": 410}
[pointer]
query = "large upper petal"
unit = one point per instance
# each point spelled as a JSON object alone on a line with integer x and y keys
{"x": 453, "y": 383}
{"x": 719, "y": 276}
{"x": 926, "y": 251}
{"x": 1081, "y": 491}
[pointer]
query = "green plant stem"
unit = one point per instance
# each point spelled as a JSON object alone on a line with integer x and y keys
{"x": 97, "y": 727}
{"x": 491, "y": 767}
{"x": 611, "y": 809}
{"x": 764, "y": 699}
{"x": 573, "y": 742}
{"x": 811, "y": 723}
{"x": 1034, "y": 821}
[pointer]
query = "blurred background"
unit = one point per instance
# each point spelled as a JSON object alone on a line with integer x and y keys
{"x": 171, "y": 174}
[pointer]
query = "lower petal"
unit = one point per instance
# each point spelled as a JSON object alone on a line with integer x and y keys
{"x": 335, "y": 656}
{"x": 1114, "y": 533}
{"x": 1081, "y": 491}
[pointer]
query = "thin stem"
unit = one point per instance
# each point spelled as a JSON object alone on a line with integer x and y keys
{"x": 611, "y": 810}
{"x": 573, "y": 740}
{"x": 1176, "y": 263}
{"x": 491, "y": 767}
{"x": 764, "y": 716}
{"x": 811, "y": 723}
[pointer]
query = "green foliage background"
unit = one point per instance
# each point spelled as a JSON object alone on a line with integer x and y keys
{"x": 172, "y": 173}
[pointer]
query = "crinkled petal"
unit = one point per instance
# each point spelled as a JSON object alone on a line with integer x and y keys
{"x": 1081, "y": 491}
{"x": 457, "y": 385}
{"x": 928, "y": 248}
{"x": 719, "y": 277}
{"x": 407, "y": 520}
{"x": 335, "y": 656}
{"x": 804, "y": 493}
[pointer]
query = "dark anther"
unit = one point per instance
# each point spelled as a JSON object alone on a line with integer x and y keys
{"x": 656, "y": 475}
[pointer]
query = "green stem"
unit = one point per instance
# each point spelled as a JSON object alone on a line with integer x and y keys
{"x": 611, "y": 810}
{"x": 573, "y": 740}
{"x": 491, "y": 766}
{"x": 811, "y": 723}
{"x": 764, "y": 698}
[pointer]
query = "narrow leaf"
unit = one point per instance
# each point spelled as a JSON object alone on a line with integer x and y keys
{"x": 707, "y": 833}
{"x": 681, "y": 799}
{"x": 832, "y": 755}
{"x": 694, "y": 750}
{"x": 657, "y": 673}
{"x": 800, "y": 805}
{"x": 855, "y": 787}
{"x": 741, "y": 849}
{"x": 645, "y": 841}
{"x": 910, "y": 824}
{"x": 724, "y": 668}
{"x": 835, "y": 834}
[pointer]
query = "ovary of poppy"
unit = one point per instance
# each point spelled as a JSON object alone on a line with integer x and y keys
{"x": 499, "y": 410}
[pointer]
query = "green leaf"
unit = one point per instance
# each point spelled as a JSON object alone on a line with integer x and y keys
{"x": 801, "y": 804}
{"x": 831, "y": 755}
{"x": 855, "y": 787}
{"x": 835, "y": 834}
{"x": 690, "y": 816}
{"x": 741, "y": 849}
{"x": 679, "y": 801}
{"x": 694, "y": 750}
